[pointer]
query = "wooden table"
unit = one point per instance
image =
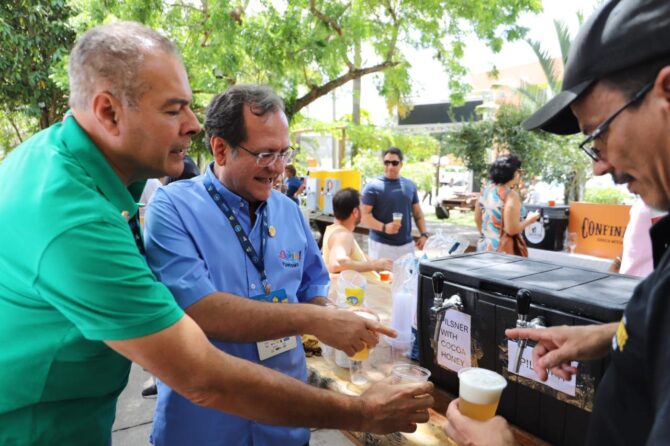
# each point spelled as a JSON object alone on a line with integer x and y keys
{"x": 321, "y": 221}
{"x": 326, "y": 373}
{"x": 461, "y": 202}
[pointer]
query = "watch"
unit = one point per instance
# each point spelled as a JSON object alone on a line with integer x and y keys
{"x": 424, "y": 234}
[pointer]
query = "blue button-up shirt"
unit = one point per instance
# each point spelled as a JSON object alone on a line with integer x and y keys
{"x": 192, "y": 248}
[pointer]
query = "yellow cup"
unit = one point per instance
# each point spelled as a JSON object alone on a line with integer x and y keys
{"x": 354, "y": 296}
{"x": 362, "y": 355}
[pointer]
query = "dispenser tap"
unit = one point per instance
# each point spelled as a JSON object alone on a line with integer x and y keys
{"x": 438, "y": 287}
{"x": 440, "y": 306}
{"x": 523, "y": 298}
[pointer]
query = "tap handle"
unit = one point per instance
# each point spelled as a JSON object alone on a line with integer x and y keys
{"x": 523, "y": 298}
{"x": 438, "y": 283}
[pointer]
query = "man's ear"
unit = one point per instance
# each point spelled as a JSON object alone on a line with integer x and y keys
{"x": 662, "y": 84}
{"x": 107, "y": 111}
{"x": 220, "y": 149}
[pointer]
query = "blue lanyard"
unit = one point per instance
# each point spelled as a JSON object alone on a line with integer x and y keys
{"x": 134, "y": 224}
{"x": 242, "y": 236}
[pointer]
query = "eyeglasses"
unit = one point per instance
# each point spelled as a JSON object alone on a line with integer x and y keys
{"x": 587, "y": 145}
{"x": 391, "y": 162}
{"x": 266, "y": 159}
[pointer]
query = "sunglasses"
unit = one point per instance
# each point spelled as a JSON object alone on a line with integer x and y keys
{"x": 391, "y": 163}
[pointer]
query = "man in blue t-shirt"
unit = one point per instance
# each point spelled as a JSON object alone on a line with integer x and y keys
{"x": 388, "y": 203}
{"x": 294, "y": 185}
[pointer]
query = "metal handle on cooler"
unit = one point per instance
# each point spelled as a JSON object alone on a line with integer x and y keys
{"x": 440, "y": 306}
{"x": 523, "y": 299}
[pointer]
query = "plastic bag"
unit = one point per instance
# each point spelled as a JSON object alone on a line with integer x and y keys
{"x": 351, "y": 287}
{"x": 444, "y": 245}
{"x": 404, "y": 291}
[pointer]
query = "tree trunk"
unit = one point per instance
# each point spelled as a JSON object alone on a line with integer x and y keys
{"x": 356, "y": 96}
{"x": 45, "y": 120}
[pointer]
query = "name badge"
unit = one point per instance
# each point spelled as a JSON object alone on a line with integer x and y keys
{"x": 274, "y": 347}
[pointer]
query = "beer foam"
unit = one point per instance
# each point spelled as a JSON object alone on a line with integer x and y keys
{"x": 480, "y": 386}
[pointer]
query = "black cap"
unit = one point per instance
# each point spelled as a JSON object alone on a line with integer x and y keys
{"x": 619, "y": 35}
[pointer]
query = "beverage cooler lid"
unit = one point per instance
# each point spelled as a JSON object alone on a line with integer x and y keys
{"x": 594, "y": 294}
{"x": 559, "y": 211}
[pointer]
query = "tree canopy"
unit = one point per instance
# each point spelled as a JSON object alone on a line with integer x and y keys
{"x": 302, "y": 48}
{"x": 554, "y": 158}
{"x": 35, "y": 36}
{"x": 305, "y": 48}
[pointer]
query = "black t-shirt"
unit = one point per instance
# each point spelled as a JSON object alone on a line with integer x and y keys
{"x": 633, "y": 400}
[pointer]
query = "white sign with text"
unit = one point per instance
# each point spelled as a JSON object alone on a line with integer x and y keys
{"x": 526, "y": 370}
{"x": 453, "y": 347}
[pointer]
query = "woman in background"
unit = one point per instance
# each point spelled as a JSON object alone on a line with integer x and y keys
{"x": 499, "y": 202}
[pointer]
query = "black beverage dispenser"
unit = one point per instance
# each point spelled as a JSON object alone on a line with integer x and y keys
{"x": 466, "y": 302}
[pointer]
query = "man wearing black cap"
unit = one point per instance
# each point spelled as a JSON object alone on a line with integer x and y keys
{"x": 616, "y": 90}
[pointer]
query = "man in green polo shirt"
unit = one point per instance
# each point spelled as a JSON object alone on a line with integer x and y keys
{"x": 77, "y": 300}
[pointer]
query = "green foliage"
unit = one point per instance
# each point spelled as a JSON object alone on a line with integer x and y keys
{"x": 606, "y": 195}
{"x": 555, "y": 158}
{"x": 35, "y": 36}
{"x": 471, "y": 142}
{"x": 368, "y": 163}
{"x": 375, "y": 139}
{"x": 304, "y": 48}
{"x": 422, "y": 173}
{"x": 14, "y": 129}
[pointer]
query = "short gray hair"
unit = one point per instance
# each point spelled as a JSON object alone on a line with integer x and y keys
{"x": 113, "y": 53}
{"x": 225, "y": 113}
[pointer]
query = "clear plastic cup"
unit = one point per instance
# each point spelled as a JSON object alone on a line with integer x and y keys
{"x": 401, "y": 346}
{"x": 409, "y": 373}
{"x": 397, "y": 217}
{"x": 357, "y": 374}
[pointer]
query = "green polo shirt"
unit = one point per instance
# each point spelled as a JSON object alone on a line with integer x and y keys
{"x": 71, "y": 276}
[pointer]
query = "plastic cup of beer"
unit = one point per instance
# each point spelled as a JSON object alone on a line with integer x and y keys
{"x": 397, "y": 217}
{"x": 385, "y": 276}
{"x": 479, "y": 392}
{"x": 409, "y": 373}
{"x": 362, "y": 355}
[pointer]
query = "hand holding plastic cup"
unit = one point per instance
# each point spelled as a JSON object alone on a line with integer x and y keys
{"x": 362, "y": 355}
{"x": 479, "y": 392}
{"x": 397, "y": 217}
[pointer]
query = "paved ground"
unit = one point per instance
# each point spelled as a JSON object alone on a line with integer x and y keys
{"x": 134, "y": 414}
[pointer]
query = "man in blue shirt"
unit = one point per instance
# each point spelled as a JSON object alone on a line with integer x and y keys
{"x": 390, "y": 194}
{"x": 228, "y": 231}
{"x": 294, "y": 185}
